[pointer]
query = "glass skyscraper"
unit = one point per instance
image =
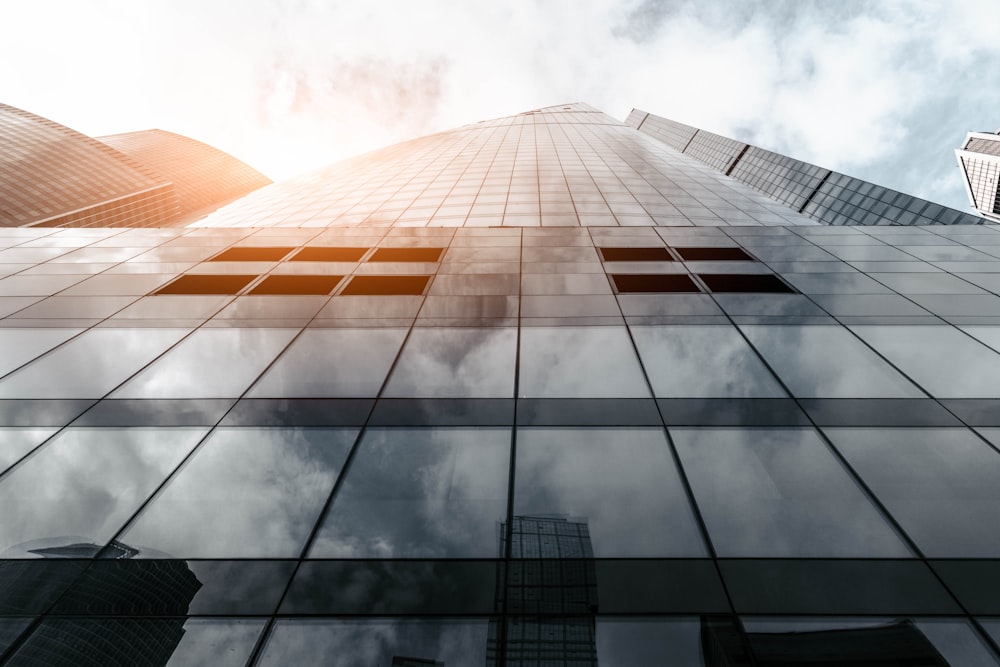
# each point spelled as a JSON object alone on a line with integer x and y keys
{"x": 550, "y": 389}
{"x": 979, "y": 159}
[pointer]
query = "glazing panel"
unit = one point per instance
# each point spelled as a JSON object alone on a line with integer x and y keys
{"x": 579, "y": 362}
{"x": 646, "y": 641}
{"x": 702, "y": 362}
{"x": 827, "y": 362}
{"x": 941, "y": 485}
{"x": 420, "y": 493}
{"x": 456, "y": 363}
{"x": 90, "y": 365}
{"x": 612, "y": 492}
{"x": 170, "y": 642}
{"x": 377, "y": 642}
{"x": 946, "y": 362}
{"x": 935, "y": 642}
{"x": 79, "y": 489}
{"x": 19, "y": 346}
{"x": 16, "y": 442}
{"x": 265, "y": 488}
{"x": 11, "y": 629}
{"x": 211, "y": 363}
{"x": 780, "y": 493}
{"x": 333, "y": 363}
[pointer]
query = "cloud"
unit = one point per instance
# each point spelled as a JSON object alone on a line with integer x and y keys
{"x": 864, "y": 87}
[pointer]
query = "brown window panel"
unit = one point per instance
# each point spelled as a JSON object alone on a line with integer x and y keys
{"x": 328, "y": 254}
{"x": 733, "y": 282}
{"x": 206, "y": 284}
{"x": 386, "y": 285}
{"x": 406, "y": 255}
{"x": 714, "y": 254}
{"x": 297, "y": 285}
{"x": 636, "y": 255}
{"x": 653, "y": 282}
{"x": 251, "y": 254}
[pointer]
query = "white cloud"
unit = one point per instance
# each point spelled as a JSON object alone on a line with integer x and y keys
{"x": 293, "y": 84}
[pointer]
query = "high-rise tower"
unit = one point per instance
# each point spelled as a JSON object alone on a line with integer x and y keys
{"x": 767, "y": 392}
{"x": 979, "y": 158}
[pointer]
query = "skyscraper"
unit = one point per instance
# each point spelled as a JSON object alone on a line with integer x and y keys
{"x": 53, "y": 176}
{"x": 768, "y": 391}
{"x": 979, "y": 158}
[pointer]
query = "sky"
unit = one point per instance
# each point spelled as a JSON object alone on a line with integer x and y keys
{"x": 883, "y": 90}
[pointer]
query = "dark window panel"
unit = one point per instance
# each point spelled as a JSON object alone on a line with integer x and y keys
{"x": 251, "y": 255}
{"x": 386, "y": 285}
{"x": 844, "y": 586}
{"x": 406, "y": 255}
{"x": 714, "y": 254}
{"x": 636, "y": 255}
{"x": 653, "y": 282}
{"x": 381, "y": 587}
{"x": 297, "y": 285}
{"x": 206, "y": 284}
{"x": 328, "y": 254}
{"x": 96, "y": 642}
{"x": 725, "y": 282}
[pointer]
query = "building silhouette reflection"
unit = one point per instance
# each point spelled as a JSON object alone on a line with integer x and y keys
{"x": 145, "y": 589}
{"x": 549, "y": 595}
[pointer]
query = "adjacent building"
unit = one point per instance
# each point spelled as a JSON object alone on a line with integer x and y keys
{"x": 716, "y": 407}
{"x": 52, "y": 176}
{"x": 979, "y": 159}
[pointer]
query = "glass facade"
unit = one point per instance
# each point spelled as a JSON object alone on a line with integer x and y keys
{"x": 53, "y": 176}
{"x": 979, "y": 159}
{"x": 543, "y": 390}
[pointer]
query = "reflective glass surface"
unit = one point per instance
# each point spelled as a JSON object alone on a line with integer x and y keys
{"x": 16, "y": 442}
{"x": 266, "y": 487}
{"x": 210, "y": 363}
{"x": 376, "y": 642}
{"x": 827, "y": 362}
{"x": 90, "y": 365}
{"x": 173, "y": 642}
{"x": 632, "y": 503}
{"x": 82, "y": 486}
{"x": 702, "y": 362}
{"x": 577, "y": 362}
{"x": 969, "y": 369}
{"x": 438, "y": 362}
{"x": 780, "y": 493}
{"x": 332, "y": 363}
{"x": 19, "y": 346}
{"x": 941, "y": 485}
{"x": 420, "y": 493}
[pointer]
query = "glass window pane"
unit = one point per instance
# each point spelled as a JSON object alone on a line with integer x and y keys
{"x": 935, "y": 642}
{"x": 332, "y": 363}
{"x": 171, "y": 642}
{"x": 702, "y": 362}
{"x": 420, "y": 493}
{"x": 780, "y": 493}
{"x": 941, "y": 485}
{"x": 377, "y": 642}
{"x": 638, "y": 641}
{"x": 265, "y": 488}
{"x": 615, "y": 491}
{"x": 211, "y": 363}
{"x": 578, "y": 362}
{"x": 90, "y": 365}
{"x": 16, "y": 442}
{"x": 827, "y": 362}
{"x": 80, "y": 488}
{"x": 964, "y": 368}
{"x": 19, "y": 346}
{"x": 456, "y": 363}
